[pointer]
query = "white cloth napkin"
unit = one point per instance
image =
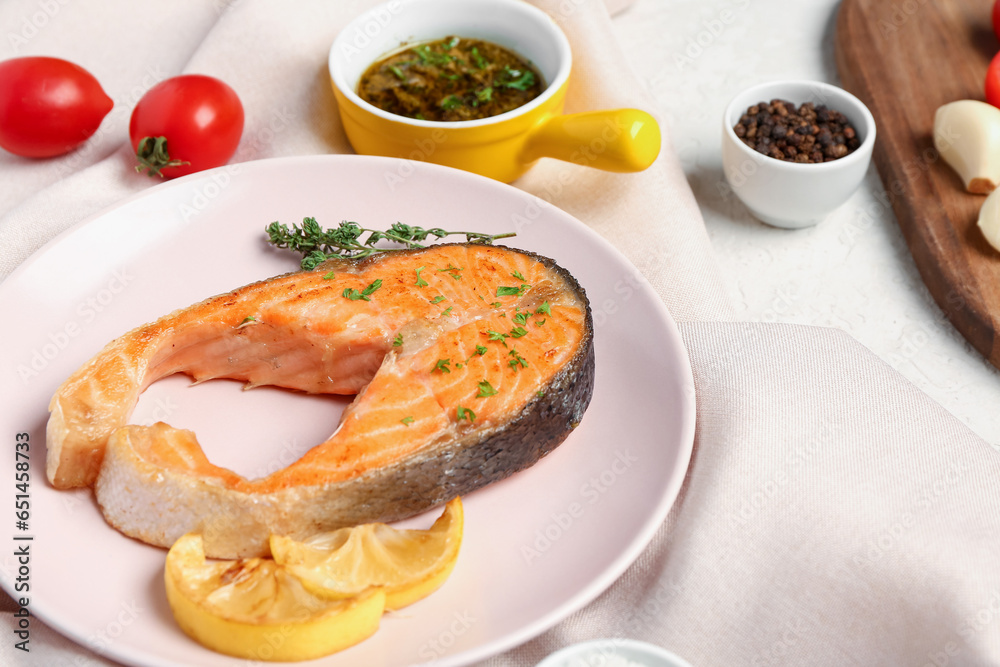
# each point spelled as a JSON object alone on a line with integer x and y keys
{"x": 832, "y": 514}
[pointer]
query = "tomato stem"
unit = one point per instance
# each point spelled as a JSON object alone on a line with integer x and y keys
{"x": 153, "y": 156}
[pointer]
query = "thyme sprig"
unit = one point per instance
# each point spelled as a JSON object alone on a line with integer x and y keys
{"x": 348, "y": 240}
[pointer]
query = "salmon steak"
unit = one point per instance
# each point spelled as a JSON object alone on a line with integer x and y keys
{"x": 469, "y": 363}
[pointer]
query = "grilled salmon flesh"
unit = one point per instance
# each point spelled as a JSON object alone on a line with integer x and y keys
{"x": 470, "y": 362}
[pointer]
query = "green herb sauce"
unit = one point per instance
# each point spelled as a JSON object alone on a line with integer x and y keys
{"x": 452, "y": 79}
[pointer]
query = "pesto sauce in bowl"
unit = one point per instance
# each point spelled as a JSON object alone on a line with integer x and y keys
{"x": 451, "y": 79}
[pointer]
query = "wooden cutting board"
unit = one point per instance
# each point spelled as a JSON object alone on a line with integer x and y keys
{"x": 904, "y": 59}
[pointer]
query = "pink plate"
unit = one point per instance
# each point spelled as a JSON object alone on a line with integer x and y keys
{"x": 537, "y": 546}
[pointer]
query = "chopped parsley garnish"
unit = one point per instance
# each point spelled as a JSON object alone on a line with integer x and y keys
{"x": 496, "y": 335}
{"x": 407, "y": 420}
{"x": 438, "y": 299}
{"x": 496, "y": 304}
{"x": 429, "y": 57}
{"x": 420, "y": 281}
{"x": 466, "y": 413}
{"x": 517, "y": 361}
{"x": 517, "y": 332}
{"x": 539, "y": 323}
{"x": 486, "y": 390}
{"x": 517, "y": 274}
{"x": 442, "y": 365}
{"x": 521, "y": 317}
{"x": 363, "y": 295}
{"x": 477, "y": 58}
{"x": 451, "y": 102}
{"x": 480, "y": 350}
{"x": 398, "y": 340}
{"x": 247, "y": 321}
{"x": 512, "y": 291}
{"x": 330, "y": 275}
{"x": 447, "y": 311}
{"x": 484, "y": 94}
{"x": 543, "y": 309}
{"x": 453, "y": 271}
{"x": 518, "y": 80}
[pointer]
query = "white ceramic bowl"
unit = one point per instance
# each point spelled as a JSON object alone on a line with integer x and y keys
{"x": 609, "y": 652}
{"x": 789, "y": 194}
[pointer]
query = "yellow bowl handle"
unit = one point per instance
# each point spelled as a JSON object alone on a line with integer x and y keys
{"x": 622, "y": 140}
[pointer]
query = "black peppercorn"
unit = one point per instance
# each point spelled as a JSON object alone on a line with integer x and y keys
{"x": 806, "y": 134}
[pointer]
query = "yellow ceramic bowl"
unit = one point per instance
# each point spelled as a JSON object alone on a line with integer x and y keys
{"x": 503, "y": 146}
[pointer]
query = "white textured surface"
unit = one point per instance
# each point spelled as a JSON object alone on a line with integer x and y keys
{"x": 853, "y": 271}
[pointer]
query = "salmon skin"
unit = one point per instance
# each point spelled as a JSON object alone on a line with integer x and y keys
{"x": 470, "y": 362}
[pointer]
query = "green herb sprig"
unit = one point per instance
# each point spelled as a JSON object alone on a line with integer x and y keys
{"x": 349, "y": 240}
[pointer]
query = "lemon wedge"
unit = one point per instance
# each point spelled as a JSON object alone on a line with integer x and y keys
{"x": 408, "y": 564}
{"x": 253, "y": 608}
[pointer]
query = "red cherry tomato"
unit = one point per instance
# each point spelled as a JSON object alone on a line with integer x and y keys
{"x": 48, "y": 106}
{"x": 992, "y": 86}
{"x": 185, "y": 124}
{"x": 996, "y": 18}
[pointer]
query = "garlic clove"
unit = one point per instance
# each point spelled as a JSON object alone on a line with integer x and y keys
{"x": 989, "y": 219}
{"x": 967, "y": 135}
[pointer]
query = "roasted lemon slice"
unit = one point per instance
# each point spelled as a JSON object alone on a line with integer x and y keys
{"x": 409, "y": 564}
{"x": 252, "y": 608}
